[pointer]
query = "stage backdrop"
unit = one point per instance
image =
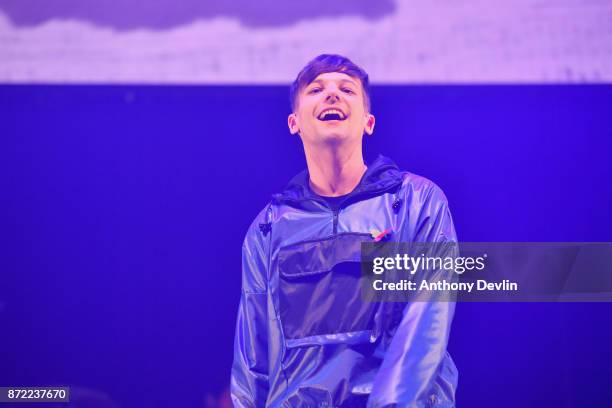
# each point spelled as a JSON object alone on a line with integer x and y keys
{"x": 268, "y": 41}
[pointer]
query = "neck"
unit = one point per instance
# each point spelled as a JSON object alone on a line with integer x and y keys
{"x": 336, "y": 171}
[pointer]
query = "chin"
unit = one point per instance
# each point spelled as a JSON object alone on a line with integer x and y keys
{"x": 337, "y": 133}
{"x": 334, "y": 138}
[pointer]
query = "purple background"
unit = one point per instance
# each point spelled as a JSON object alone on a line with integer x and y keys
{"x": 164, "y": 14}
{"x": 124, "y": 207}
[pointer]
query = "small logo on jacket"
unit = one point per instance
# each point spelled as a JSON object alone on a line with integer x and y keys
{"x": 380, "y": 235}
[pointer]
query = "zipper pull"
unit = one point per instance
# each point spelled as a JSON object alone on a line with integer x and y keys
{"x": 336, "y": 221}
{"x": 397, "y": 204}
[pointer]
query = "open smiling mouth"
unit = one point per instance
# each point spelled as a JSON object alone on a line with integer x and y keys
{"x": 331, "y": 114}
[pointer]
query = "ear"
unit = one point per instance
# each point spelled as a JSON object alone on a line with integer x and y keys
{"x": 369, "y": 124}
{"x": 292, "y": 122}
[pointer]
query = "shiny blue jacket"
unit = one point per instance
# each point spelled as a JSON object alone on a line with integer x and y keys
{"x": 304, "y": 337}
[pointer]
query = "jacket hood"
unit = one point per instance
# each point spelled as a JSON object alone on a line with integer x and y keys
{"x": 382, "y": 175}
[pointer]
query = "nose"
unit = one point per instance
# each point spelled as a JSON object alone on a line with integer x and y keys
{"x": 332, "y": 96}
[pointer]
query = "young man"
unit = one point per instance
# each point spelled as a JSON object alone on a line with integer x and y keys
{"x": 304, "y": 336}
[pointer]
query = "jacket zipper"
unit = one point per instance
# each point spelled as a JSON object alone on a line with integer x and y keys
{"x": 335, "y": 229}
{"x": 343, "y": 204}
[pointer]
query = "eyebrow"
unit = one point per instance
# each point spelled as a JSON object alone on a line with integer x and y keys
{"x": 320, "y": 81}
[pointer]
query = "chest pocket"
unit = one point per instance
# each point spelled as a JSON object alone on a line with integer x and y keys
{"x": 320, "y": 289}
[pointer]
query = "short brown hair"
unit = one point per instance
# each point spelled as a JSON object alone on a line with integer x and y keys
{"x": 329, "y": 63}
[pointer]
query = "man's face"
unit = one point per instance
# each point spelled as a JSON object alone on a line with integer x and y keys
{"x": 331, "y": 109}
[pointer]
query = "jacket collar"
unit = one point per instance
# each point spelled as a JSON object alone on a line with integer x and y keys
{"x": 381, "y": 176}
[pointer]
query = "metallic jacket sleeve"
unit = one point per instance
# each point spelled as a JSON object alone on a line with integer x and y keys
{"x": 416, "y": 371}
{"x": 249, "y": 381}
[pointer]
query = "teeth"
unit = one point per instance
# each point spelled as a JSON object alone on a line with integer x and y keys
{"x": 331, "y": 111}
